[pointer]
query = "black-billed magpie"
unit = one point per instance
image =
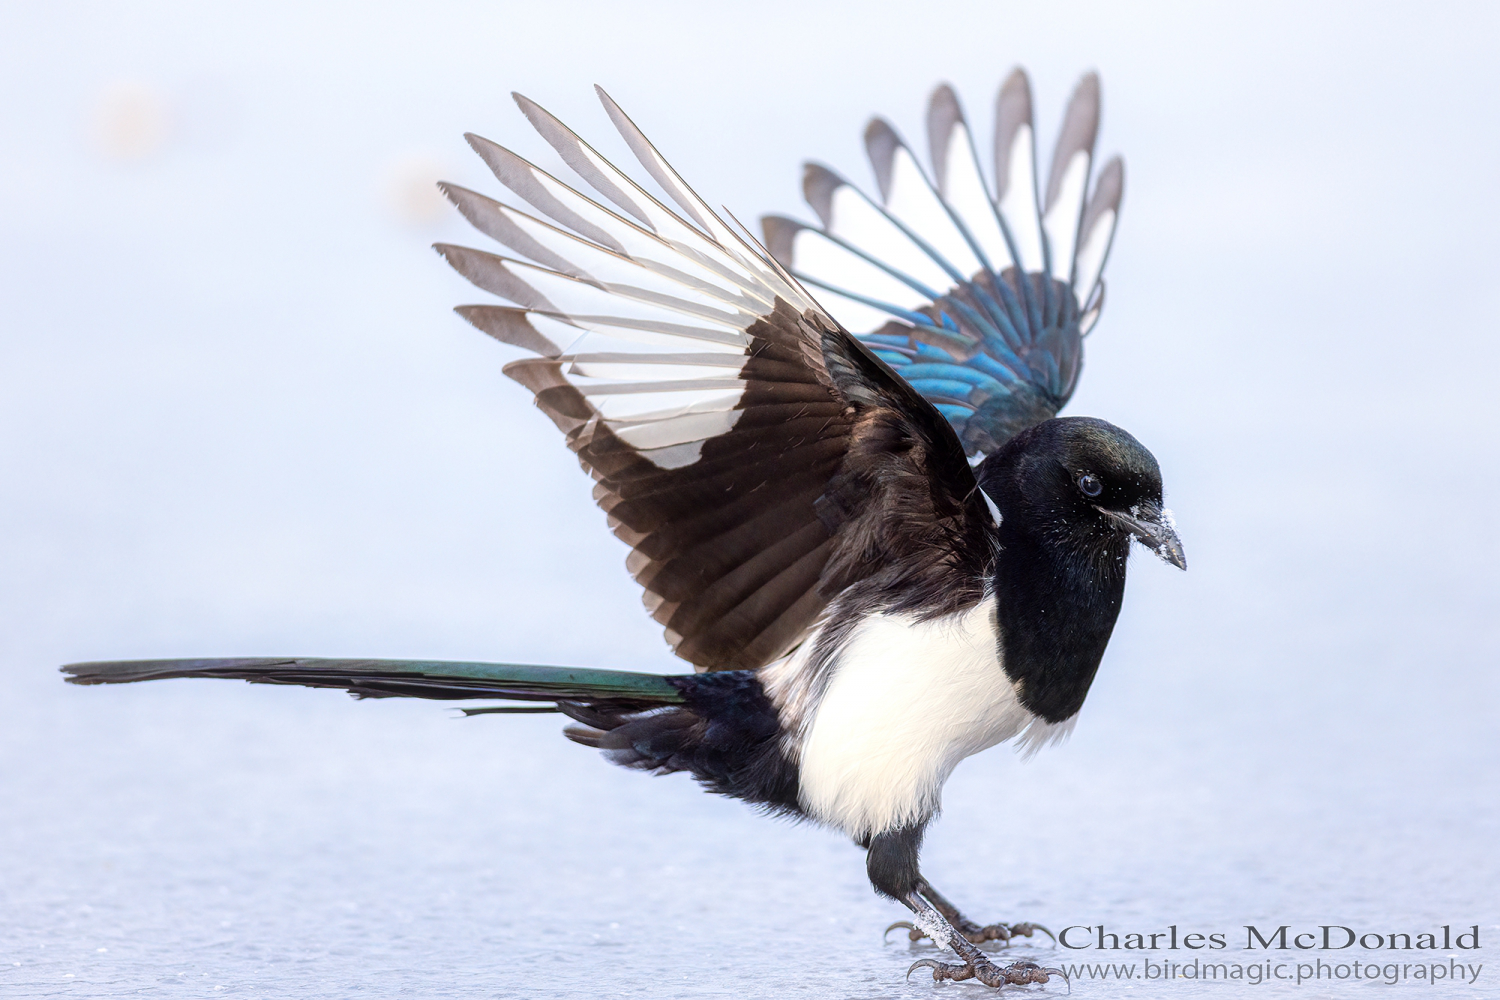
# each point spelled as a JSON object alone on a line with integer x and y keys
{"x": 882, "y": 551}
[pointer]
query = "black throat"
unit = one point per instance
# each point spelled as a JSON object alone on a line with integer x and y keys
{"x": 1056, "y": 607}
{"x": 1057, "y": 594}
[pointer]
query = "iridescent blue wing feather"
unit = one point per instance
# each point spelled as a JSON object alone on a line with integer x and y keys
{"x": 979, "y": 295}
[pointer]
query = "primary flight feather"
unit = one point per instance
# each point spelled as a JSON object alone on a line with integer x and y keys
{"x": 836, "y": 459}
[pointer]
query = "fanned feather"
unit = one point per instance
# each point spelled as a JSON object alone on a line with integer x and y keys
{"x": 978, "y": 296}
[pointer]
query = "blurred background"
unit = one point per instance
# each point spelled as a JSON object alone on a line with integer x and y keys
{"x": 238, "y": 418}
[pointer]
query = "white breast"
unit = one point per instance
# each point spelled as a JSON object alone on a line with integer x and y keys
{"x": 906, "y": 702}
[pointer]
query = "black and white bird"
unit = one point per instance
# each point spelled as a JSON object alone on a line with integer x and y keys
{"x": 836, "y": 459}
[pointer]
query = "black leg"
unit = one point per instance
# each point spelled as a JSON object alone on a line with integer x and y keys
{"x": 971, "y": 931}
{"x": 892, "y": 861}
{"x": 892, "y": 865}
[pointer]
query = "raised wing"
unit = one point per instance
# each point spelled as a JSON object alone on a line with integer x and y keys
{"x": 754, "y": 455}
{"x": 979, "y": 297}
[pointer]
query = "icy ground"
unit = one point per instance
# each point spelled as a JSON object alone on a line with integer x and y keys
{"x": 192, "y": 839}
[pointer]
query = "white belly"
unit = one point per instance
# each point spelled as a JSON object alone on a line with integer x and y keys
{"x": 906, "y": 702}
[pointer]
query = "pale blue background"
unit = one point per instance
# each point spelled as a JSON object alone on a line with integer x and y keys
{"x": 236, "y": 417}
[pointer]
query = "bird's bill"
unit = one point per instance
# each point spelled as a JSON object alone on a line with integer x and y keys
{"x": 1152, "y": 527}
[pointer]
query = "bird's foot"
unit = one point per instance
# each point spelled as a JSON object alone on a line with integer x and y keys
{"x": 975, "y": 934}
{"x": 1021, "y": 973}
{"x": 1001, "y": 932}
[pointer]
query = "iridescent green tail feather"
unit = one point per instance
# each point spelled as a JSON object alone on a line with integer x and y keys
{"x": 440, "y": 679}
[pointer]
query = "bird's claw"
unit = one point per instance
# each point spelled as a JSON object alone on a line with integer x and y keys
{"x": 912, "y": 931}
{"x": 1021, "y": 973}
{"x": 1002, "y": 932}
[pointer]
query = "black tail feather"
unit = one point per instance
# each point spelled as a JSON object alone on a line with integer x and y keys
{"x": 444, "y": 680}
{"x": 720, "y": 727}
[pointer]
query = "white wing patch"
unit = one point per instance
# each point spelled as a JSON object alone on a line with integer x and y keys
{"x": 641, "y": 311}
{"x": 927, "y": 234}
{"x": 859, "y": 222}
{"x": 1018, "y": 200}
{"x": 837, "y": 266}
{"x": 910, "y": 197}
{"x": 962, "y": 186}
{"x": 1061, "y": 221}
{"x": 1097, "y": 232}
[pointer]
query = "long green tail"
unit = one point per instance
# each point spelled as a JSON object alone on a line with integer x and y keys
{"x": 445, "y": 680}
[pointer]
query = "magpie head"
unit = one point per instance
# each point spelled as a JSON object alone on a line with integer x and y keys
{"x": 1085, "y": 486}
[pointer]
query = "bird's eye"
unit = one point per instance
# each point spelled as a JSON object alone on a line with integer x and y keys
{"x": 1090, "y": 485}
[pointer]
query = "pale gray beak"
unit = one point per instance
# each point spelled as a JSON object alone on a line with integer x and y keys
{"x": 1152, "y": 527}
